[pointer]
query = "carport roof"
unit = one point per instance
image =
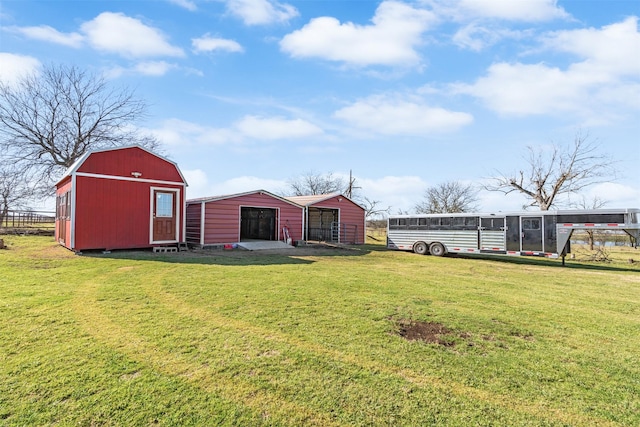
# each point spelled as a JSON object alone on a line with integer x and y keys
{"x": 246, "y": 193}
{"x": 316, "y": 198}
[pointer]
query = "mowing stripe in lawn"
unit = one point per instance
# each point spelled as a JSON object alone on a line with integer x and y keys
{"x": 139, "y": 349}
{"x": 541, "y": 411}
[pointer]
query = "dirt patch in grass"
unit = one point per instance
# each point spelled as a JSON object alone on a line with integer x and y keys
{"x": 430, "y": 332}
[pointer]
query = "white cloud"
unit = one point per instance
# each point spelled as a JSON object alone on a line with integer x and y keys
{"x": 615, "y": 195}
{"x": 521, "y": 89}
{"x": 273, "y": 128}
{"x": 49, "y": 34}
{"x": 391, "y": 40}
{"x": 520, "y": 10}
{"x": 397, "y": 192}
{"x": 260, "y": 12}
{"x": 584, "y": 89}
{"x": 175, "y": 132}
{"x": 186, "y": 4}
{"x": 200, "y": 184}
{"x": 13, "y": 67}
{"x": 210, "y": 44}
{"x": 494, "y": 201}
{"x": 614, "y": 49}
{"x": 397, "y": 116}
{"x": 477, "y": 37}
{"x": 247, "y": 183}
{"x": 153, "y": 68}
{"x": 505, "y": 10}
{"x": 129, "y": 37}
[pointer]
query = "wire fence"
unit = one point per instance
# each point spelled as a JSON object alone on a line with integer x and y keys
{"x": 27, "y": 221}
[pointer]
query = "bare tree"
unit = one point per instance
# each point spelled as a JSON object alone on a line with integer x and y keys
{"x": 560, "y": 170}
{"x": 372, "y": 208}
{"x": 49, "y": 120}
{"x": 449, "y": 197}
{"x": 313, "y": 183}
{"x": 595, "y": 203}
{"x": 17, "y": 188}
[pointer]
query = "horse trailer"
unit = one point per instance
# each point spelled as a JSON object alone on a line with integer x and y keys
{"x": 543, "y": 233}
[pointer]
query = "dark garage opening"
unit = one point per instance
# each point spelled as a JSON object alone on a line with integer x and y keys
{"x": 321, "y": 223}
{"x": 258, "y": 224}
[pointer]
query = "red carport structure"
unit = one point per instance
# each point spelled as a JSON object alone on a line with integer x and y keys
{"x": 332, "y": 218}
{"x": 121, "y": 198}
{"x": 242, "y": 217}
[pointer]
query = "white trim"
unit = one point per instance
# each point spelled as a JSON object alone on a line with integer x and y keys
{"x": 176, "y": 210}
{"x": 126, "y": 178}
{"x": 203, "y": 210}
{"x": 339, "y": 225}
{"x": 72, "y": 223}
{"x": 364, "y": 229}
{"x": 183, "y": 237}
{"x": 239, "y": 223}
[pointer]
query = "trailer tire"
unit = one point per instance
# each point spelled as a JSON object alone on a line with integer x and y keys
{"x": 437, "y": 249}
{"x": 420, "y": 248}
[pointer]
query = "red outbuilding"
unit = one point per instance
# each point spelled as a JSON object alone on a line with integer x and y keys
{"x": 120, "y": 198}
{"x": 233, "y": 218}
{"x": 332, "y": 218}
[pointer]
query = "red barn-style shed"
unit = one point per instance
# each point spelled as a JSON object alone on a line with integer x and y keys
{"x": 332, "y": 218}
{"x": 120, "y": 198}
{"x": 254, "y": 215}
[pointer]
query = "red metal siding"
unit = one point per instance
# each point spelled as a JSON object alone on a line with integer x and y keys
{"x": 194, "y": 223}
{"x": 114, "y": 214}
{"x": 122, "y": 162}
{"x": 350, "y": 213}
{"x": 222, "y": 217}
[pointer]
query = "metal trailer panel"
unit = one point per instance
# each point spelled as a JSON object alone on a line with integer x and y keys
{"x": 493, "y": 240}
{"x": 453, "y": 240}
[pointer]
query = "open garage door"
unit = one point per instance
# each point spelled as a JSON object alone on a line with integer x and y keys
{"x": 258, "y": 223}
{"x": 320, "y": 223}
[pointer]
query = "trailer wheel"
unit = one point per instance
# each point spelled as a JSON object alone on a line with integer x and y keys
{"x": 420, "y": 248}
{"x": 437, "y": 249}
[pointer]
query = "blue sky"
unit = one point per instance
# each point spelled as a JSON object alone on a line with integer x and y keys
{"x": 248, "y": 94}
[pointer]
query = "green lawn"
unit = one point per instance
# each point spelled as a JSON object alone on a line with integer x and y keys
{"x": 311, "y": 338}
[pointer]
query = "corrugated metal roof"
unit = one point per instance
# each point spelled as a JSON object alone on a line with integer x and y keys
{"x": 313, "y": 199}
{"x": 246, "y": 193}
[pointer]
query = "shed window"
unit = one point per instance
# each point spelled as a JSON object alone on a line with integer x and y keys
{"x": 63, "y": 206}
{"x": 164, "y": 205}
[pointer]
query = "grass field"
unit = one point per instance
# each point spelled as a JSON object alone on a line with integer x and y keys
{"x": 311, "y": 337}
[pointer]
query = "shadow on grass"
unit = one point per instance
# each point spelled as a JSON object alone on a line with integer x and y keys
{"x": 544, "y": 262}
{"x": 238, "y": 257}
